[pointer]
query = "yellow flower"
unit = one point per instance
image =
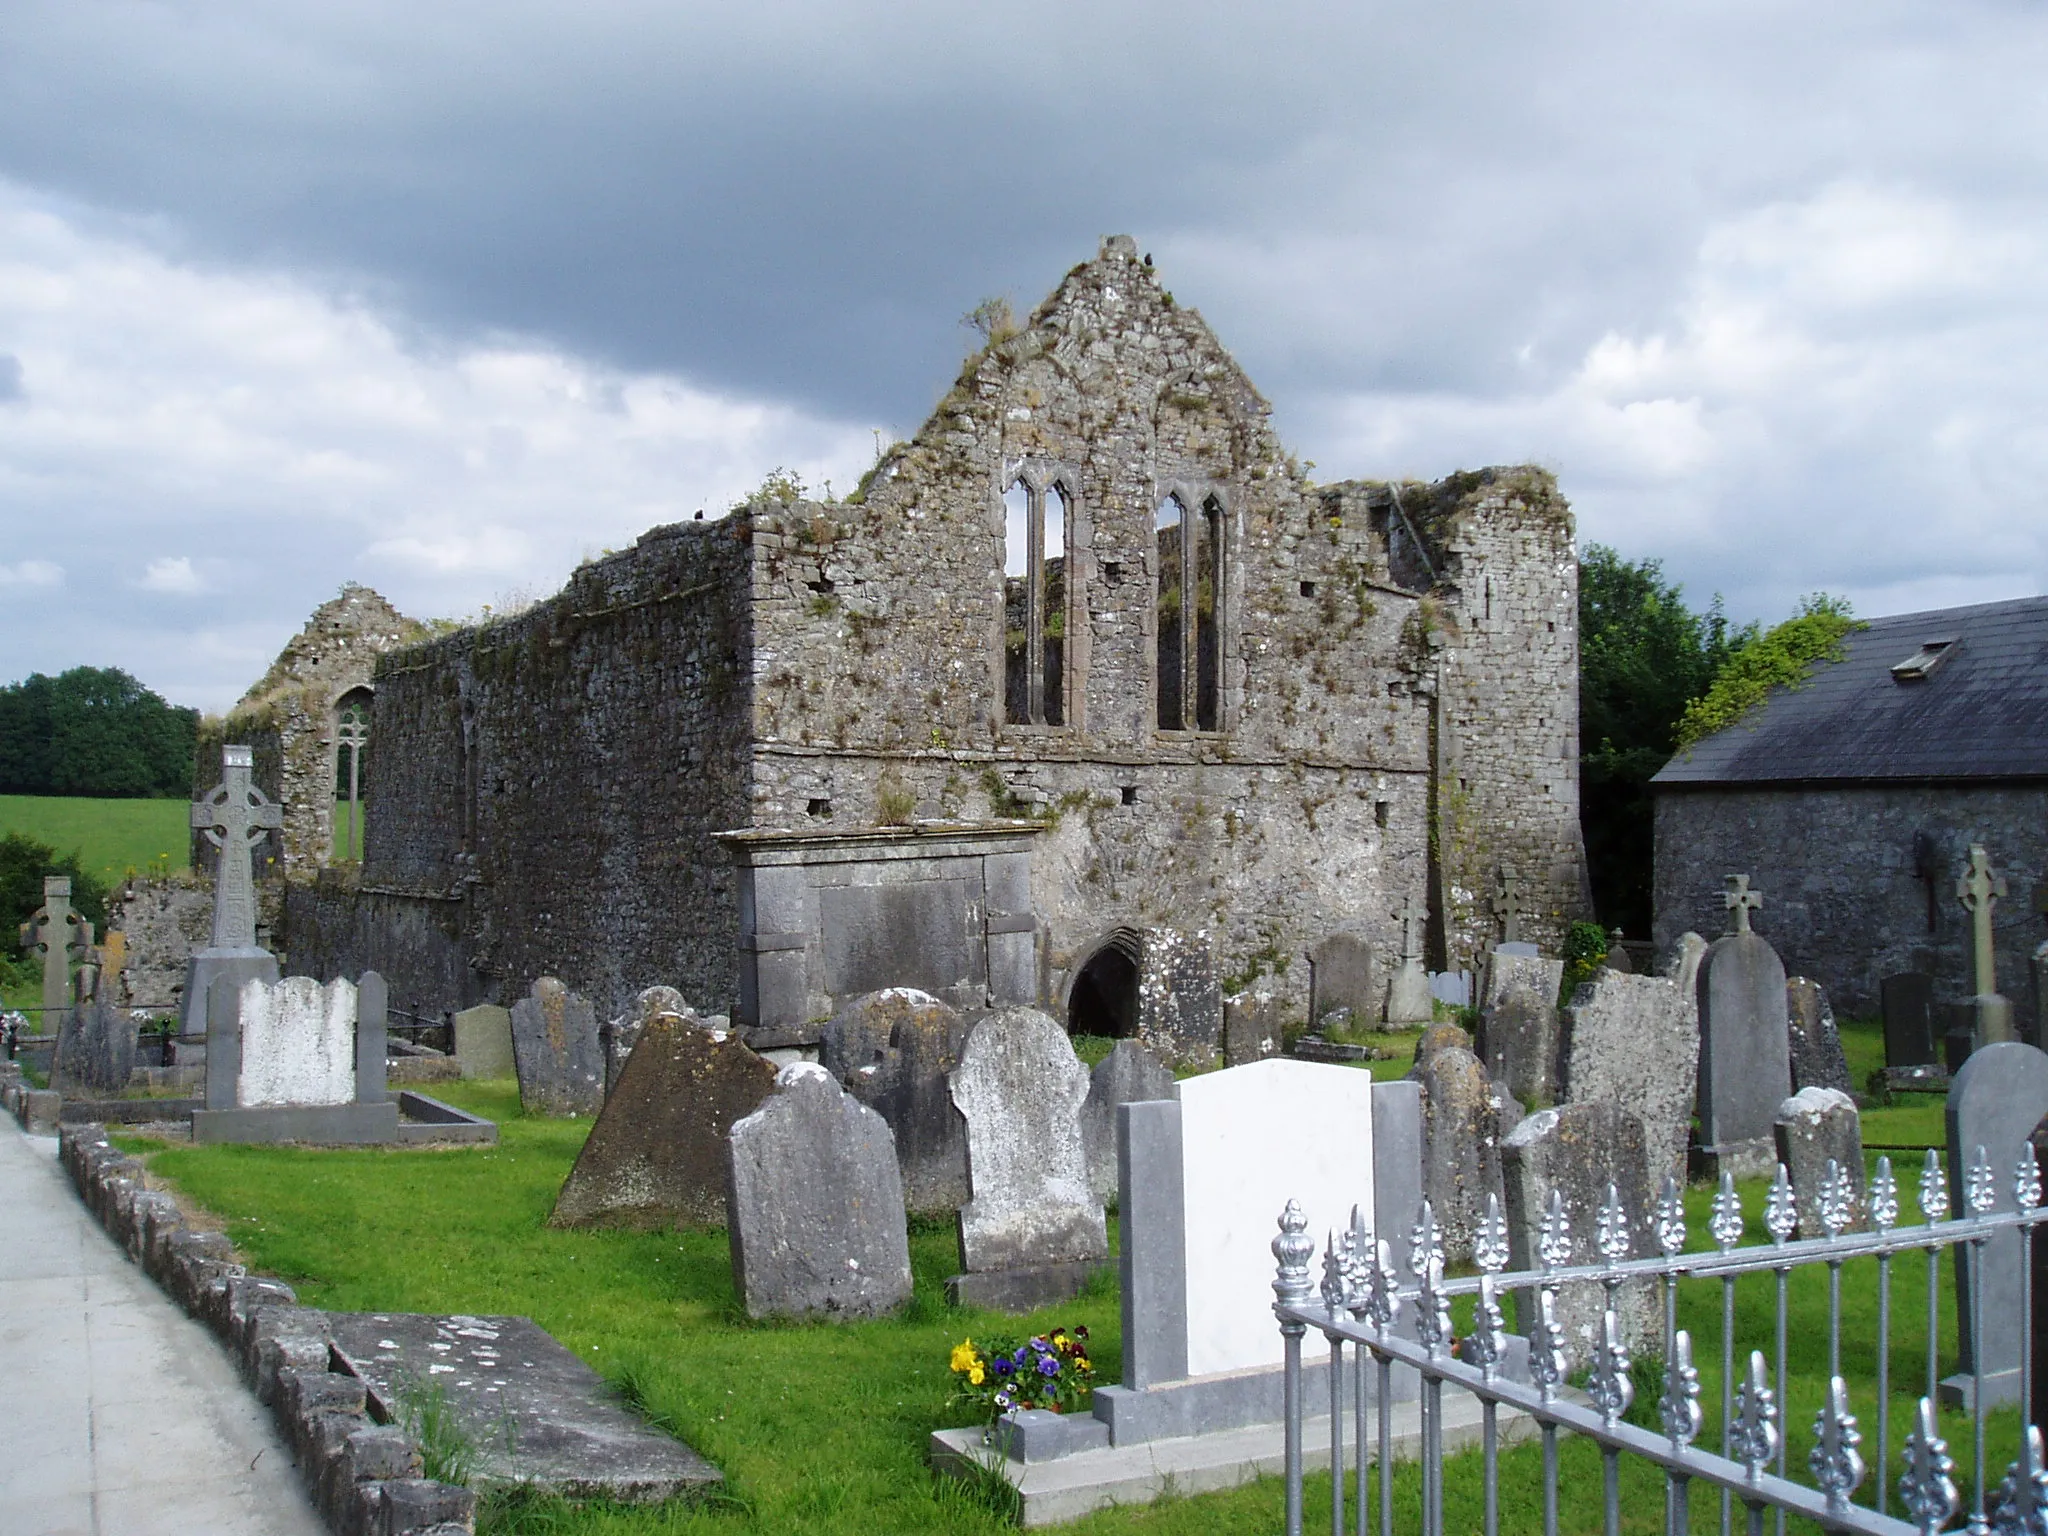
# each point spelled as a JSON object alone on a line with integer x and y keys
{"x": 964, "y": 1359}
{"x": 976, "y": 1376}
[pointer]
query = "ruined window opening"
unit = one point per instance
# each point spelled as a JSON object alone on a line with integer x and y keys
{"x": 351, "y": 771}
{"x": 1130, "y": 794}
{"x": 1189, "y": 613}
{"x": 1035, "y": 530}
{"x": 1104, "y": 999}
{"x": 1381, "y": 811}
{"x": 1308, "y": 589}
{"x": 819, "y": 806}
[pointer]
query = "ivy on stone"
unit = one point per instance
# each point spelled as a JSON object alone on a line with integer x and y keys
{"x": 1783, "y": 657}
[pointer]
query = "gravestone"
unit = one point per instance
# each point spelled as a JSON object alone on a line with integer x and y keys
{"x": 1745, "y": 1068}
{"x": 1033, "y": 1231}
{"x": 59, "y": 935}
{"x": 483, "y": 1041}
{"x": 1452, "y": 987}
{"x": 815, "y": 1203}
{"x": 656, "y": 1156}
{"x": 557, "y": 1052}
{"x": 1682, "y": 965}
{"x": 1578, "y": 1150}
{"x": 1817, "y": 1059}
{"x": 234, "y": 818}
{"x": 1507, "y": 905}
{"x": 1635, "y": 1041}
{"x": 1441, "y": 1037}
{"x": 1408, "y": 999}
{"x": 894, "y": 1051}
{"x": 2038, "y": 1023}
{"x": 1995, "y": 1102}
{"x": 1907, "y": 1002}
{"x": 297, "y": 1061}
{"x": 1518, "y": 1025}
{"x": 1344, "y": 973}
{"x": 1979, "y": 889}
{"x": 1251, "y": 1028}
{"x": 96, "y": 1047}
{"x": 1813, "y": 1126}
{"x": 1617, "y": 957}
{"x": 1129, "y": 1074}
{"x": 1461, "y": 1145}
{"x": 616, "y": 1037}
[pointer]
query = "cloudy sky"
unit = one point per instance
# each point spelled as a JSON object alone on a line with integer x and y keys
{"x": 444, "y": 297}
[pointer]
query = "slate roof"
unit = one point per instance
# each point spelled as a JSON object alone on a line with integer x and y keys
{"x": 1981, "y": 712}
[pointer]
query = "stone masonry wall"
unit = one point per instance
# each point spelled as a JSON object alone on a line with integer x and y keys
{"x": 1842, "y": 901}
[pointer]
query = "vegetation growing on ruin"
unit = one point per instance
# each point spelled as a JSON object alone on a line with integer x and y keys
{"x": 1782, "y": 658}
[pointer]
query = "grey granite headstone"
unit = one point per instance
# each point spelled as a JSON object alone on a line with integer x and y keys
{"x": 1995, "y": 1102}
{"x": 1461, "y": 1149}
{"x": 1518, "y": 1025}
{"x": 1408, "y": 998}
{"x": 1251, "y": 1028}
{"x": 1579, "y": 1150}
{"x": 1033, "y": 1229}
{"x": 1813, "y": 1126}
{"x": 1907, "y": 1002}
{"x": 483, "y": 1041}
{"x": 1817, "y": 1059}
{"x": 894, "y": 1050}
{"x": 1745, "y": 1052}
{"x": 95, "y": 1049}
{"x": 1129, "y": 1074}
{"x": 234, "y": 818}
{"x": 1343, "y": 972}
{"x": 1634, "y": 1041}
{"x": 557, "y": 1051}
{"x": 815, "y": 1203}
{"x": 656, "y": 1156}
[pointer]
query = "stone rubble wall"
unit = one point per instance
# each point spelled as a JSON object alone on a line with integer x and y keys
{"x": 1836, "y": 866}
{"x": 163, "y": 920}
{"x": 364, "y": 1477}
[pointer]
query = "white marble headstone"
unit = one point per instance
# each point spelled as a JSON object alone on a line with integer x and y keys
{"x": 298, "y": 1043}
{"x": 1253, "y": 1138}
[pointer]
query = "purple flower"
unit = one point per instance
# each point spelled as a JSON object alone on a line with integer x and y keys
{"x": 1048, "y": 1367}
{"x": 1002, "y": 1399}
{"x": 1023, "y": 1355}
{"x": 1039, "y": 1345}
{"x": 1003, "y": 1366}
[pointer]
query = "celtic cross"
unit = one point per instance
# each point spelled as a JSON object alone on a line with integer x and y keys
{"x": 1507, "y": 906}
{"x": 58, "y": 934}
{"x": 234, "y": 818}
{"x": 1413, "y": 915}
{"x": 1979, "y": 890}
{"x": 1740, "y": 901}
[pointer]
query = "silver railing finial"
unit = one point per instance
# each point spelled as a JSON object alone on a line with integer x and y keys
{"x": 1425, "y": 1243}
{"x": 1884, "y": 1196}
{"x": 1980, "y": 1188}
{"x": 1293, "y": 1249}
{"x": 1546, "y": 1348}
{"x": 1836, "y": 1195}
{"x": 1554, "y": 1235}
{"x": 1781, "y": 1212}
{"x": 1433, "y": 1310}
{"x": 1333, "y": 1275}
{"x": 1754, "y": 1439}
{"x": 1670, "y": 1218}
{"x": 1836, "y": 1464}
{"x": 1933, "y": 1190}
{"x": 2026, "y": 1178}
{"x": 1680, "y": 1406}
{"x": 1927, "y": 1487}
{"x": 1611, "y": 1235}
{"x": 1490, "y": 1242}
{"x": 1489, "y": 1341}
{"x": 1609, "y": 1386}
{"x": 1727, "y": 1221}
{"x": 1382, "y": 1295}
{"x": 2020, "y": 1506}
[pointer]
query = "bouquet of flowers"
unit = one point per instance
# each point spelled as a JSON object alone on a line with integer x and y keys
{"x": 999, "y": 1375}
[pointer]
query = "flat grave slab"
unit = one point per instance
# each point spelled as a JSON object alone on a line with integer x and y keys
{"x": 535, "y": 1413}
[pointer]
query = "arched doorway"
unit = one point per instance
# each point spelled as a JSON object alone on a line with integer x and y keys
{"x": 1104, "y": 998}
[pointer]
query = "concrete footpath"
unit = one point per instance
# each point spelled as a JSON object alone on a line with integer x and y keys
{"x": 119, "y": 1415}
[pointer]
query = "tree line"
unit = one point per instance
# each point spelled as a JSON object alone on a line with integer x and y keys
{"x": 93, "y": 731}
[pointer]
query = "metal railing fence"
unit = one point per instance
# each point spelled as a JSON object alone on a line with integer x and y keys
{"x": 1362, "y": 1304}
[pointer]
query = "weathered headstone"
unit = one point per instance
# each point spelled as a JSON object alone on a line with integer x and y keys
{"x": 1251, "y": 1028}
{"x": 1441, "y": 1037}
{"x": 1507, "y": 905}
{"x": 617, "y": 1036}
{"x": 298, "y": 1043}
{"x": 1682, "y": 965}
{"x": 234, "y": 817}
{"x": 1033, "y": 1231}
{"x": 1817, "y": 1059}
{"x": 1814, "y": 1126}
{"x": 1579, "y": 1150}
{"x": 1408, "y": 999}
{"x": 1745, "y": 1042}
{"x": 59, "y": 935}
{"x": 815, "y": 1203}
{"x": 894, "y": 1051}
{"x": 96, "y": 1047}
{"x": 483, "y": 1041}
{"x": 1452, "y": 987}
{"x": 1635, "y": 1041}
{"x": 1979, "y": 889}
{"x": 1344, "y": 973}
{"x": 557, "y": 1051}
{"x": 656, "y": 1156}
{"x": 1518, "y": 1025}
{"x": 1129, "y": 1074}
{"x": 1617, "y": 957}
{"x": 1907, "y": 1002}
{"x": 2038, "y": 1022}
{"x": 298, "y": 1061}
{"x": 1995, "y": 1103}
{"x": 1461, "y": 1149}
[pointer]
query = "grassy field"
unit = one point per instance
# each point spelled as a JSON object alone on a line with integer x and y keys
{"x": 112, "y": 837}
{"x": 821, "y": 1428}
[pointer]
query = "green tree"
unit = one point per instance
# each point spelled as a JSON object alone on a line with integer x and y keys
{"x": 1643, "y": 657}
{"x": 23, "y": 863}
{"x": 93, "y": 731}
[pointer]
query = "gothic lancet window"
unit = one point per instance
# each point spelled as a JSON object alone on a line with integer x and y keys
{"x": 1188, "y": 611}
{"x": 351, "y": 776}
{"x": 1035, "y": 525}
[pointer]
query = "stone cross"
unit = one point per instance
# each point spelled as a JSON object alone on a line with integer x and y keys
{"x": 1413, "y": 915}
{"x": 1507, "y": 906}
{"x": 57, "y": 933}
{"x": 1979, "y": 891}
{"x": 1740, "y": 901}
{"x": 234, "y": 817}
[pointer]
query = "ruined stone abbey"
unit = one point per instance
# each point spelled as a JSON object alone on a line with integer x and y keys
{"x": 1087, "y": 697}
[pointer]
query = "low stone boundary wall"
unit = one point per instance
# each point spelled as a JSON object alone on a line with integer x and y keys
{"x": 363, "y": 1475}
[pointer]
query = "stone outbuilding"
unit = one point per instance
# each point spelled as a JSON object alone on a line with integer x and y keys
{"x": 1086, "y": 698}
{"x": 1852, "y": 802}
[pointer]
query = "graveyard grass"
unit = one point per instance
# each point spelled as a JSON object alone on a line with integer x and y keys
{"x": 112, "y": 837}
{"x": 822, "y": 1428}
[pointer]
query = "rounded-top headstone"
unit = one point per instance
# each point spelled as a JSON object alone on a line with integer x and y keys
{"x": 1814, "y": 1127}
{"x": 1745, "y": 1050}
{"x": 894, "y": 1050}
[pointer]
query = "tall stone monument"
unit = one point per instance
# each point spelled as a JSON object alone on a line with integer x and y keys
{"x": 60, "y": 936}
{"x": 1408, "y": 997}
{"x": 1979, "y": 889}
{"x": 1745, "y": 1042}
{"x": 234, "y": 818}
